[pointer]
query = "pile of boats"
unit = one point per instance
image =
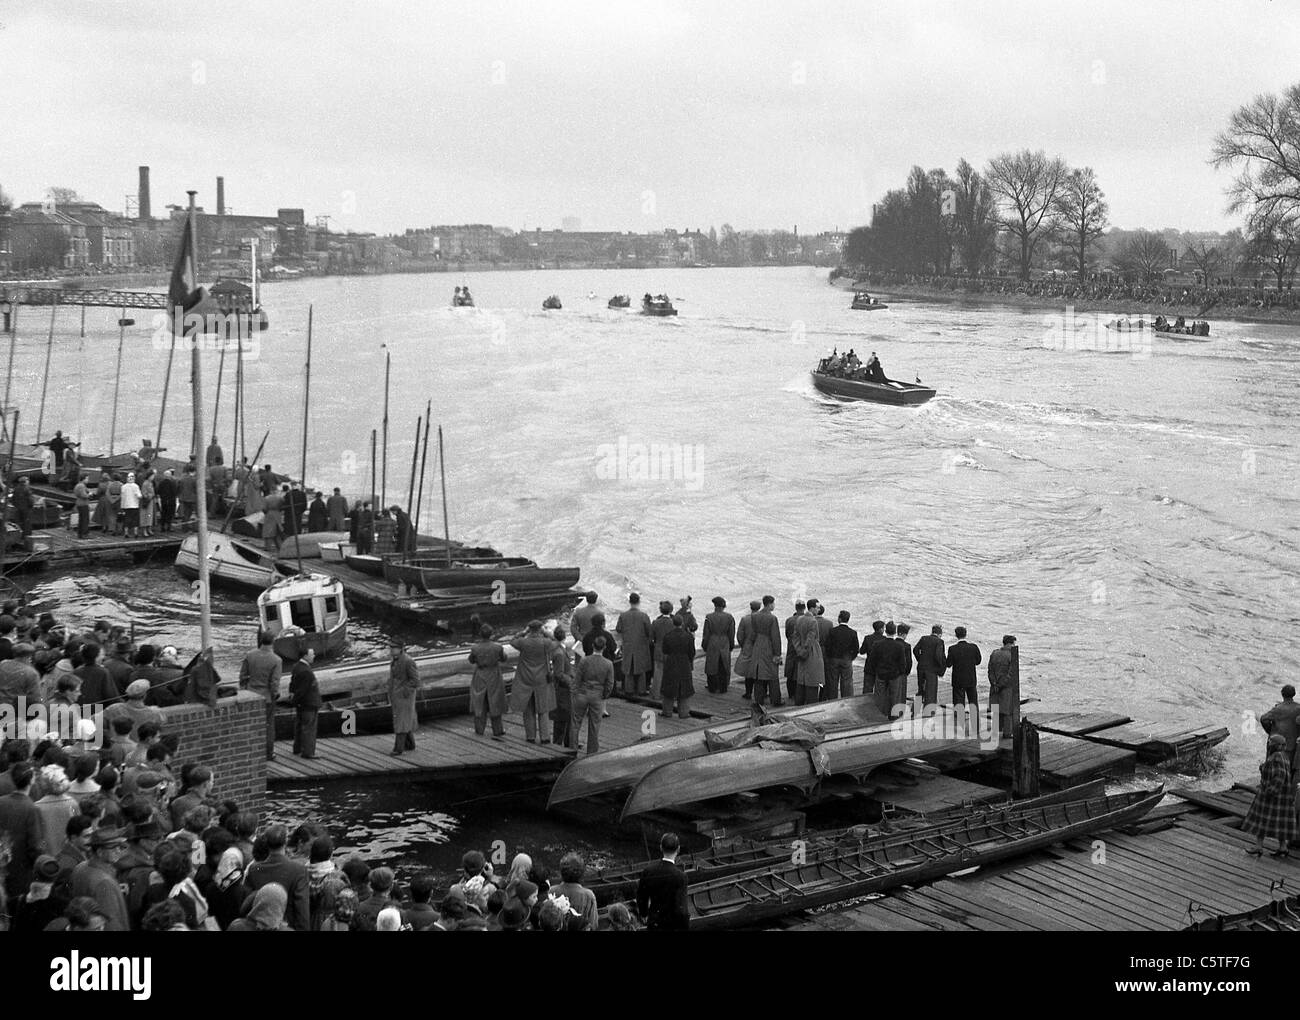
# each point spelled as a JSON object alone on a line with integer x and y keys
{"x": 755, "y": 882}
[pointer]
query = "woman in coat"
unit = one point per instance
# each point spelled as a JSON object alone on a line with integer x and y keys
{"x": 679, "y": 665}
{"x": 1273, "y": 811}
{"x": 104, "y": 517}
{"x": 487, "y": 690}
{"x": 532, "y": 693}
{"x": 403, "y": 682}
{"x": 265, "y": 911}
{"x": 148, "y": 503}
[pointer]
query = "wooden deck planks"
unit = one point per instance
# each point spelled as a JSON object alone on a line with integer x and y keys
{"x": 1157, "y": 742}
{"x": 1073, "y": 724}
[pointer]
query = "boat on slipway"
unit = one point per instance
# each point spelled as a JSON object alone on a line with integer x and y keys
{"x": 875, "y": 865}
{"x": 890, "y": 392}
{"x": 623, "y": 767}
{"x": 854, "y": 751}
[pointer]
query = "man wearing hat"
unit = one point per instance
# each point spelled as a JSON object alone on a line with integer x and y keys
{"x": 318, "y": 517}
{"x": 19, "y": 679}
{"x": 134, "y": 707}
{"x": 135, "y": 864}
{"x": 260, "y": 673}
{"x": 403, "y": 682}
{"x": 532, "y": 693}
{"x": 633, "y": 629}
{"x": 404, "y": 533}
{"x": 97, "y": 878}
{"x": 718, "y": 640}
{"x": 39, "y": 907}
{"x": 304, "y": 692}
{"x": 337, "y": 509}
{"x": 118, "y": 663}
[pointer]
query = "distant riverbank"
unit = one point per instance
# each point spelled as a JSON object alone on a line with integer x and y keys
{"x": 1017, "y": 299}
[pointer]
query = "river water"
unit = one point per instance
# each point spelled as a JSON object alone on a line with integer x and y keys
{"x": 1130, "y": 515}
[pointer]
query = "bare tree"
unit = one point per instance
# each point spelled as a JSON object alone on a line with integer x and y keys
{"x": 1144, "y": 255}
{"x": 1208, "y": 257}
{"x": 1263, "y": 139}
{"x": 976, "y": 220}
{"x": 1275, "y": 241}
{"x": 62, "y": 196}
{"x": 1082, "y": 215}
{"x": 1028, "y": 184}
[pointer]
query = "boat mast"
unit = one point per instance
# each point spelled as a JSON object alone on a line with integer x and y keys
{"x": 117, "y": 384}
{"x": 410, "y": 491}
{"x": 306, "y": 404}
{"x": 383, "y": 484}
{"x": 373, "y": 514}
{"x": 196, "y": 385}
{"x": 45, "y": 383}
{"x": 424, "y": 456}
{"x": 442, "y": 466}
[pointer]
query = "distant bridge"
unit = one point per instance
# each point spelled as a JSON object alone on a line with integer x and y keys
{"x": 84, "y": 297}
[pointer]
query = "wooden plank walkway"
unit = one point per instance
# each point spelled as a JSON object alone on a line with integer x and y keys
{"x": 1157, "y": 742}
{"x": 449, "y": 748}
{"x": 64, "y": 549}
{"x": 1073, "y": 724}
{"x": 1068, "y": 761}
{"x": 1146, "y": 881}
{"x": 933, "y": 794}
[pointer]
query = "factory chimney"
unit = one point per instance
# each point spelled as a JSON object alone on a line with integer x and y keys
{"x": 142, "y": 195}
{"x": 221, "y": 196}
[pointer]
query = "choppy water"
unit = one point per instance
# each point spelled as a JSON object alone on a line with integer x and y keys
{"x": 1132, "y": 520}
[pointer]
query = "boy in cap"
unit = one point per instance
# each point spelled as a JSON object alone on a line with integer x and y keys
{"x": 97, "y": 878}
{"x": 134, "y": 708}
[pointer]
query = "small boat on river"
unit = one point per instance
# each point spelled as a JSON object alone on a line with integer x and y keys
{"x": 864, "y": 302}
{"x": 620, "y": 301}
{"x": 889, "y": 392}
{"x": 657, "y": 305}
{"x": 310, "y": 603}
{"x": 552, "y": 303}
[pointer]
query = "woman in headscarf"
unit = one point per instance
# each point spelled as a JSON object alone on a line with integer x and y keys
{"x": 1273, "y": 811}
{"x": 266, "y": 911}
{"x": 221, "y": 879}
{"x": 487, "y": 690}
{"x": 519, "y": 870}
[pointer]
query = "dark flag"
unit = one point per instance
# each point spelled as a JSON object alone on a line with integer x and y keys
{"x": 184, "y": 293}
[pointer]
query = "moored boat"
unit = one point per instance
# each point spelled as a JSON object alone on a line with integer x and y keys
{"x": 905, "y": 858}
{"x": 312, "y": 604}
{"x": 891, "y": 392}
{"x": 657, "y": 305}
{"x": 232, "y": 562}
{"x": 624, "y": 766}
{"x": 467, "y": 576}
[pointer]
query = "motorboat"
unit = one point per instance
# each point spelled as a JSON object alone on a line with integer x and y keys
{"x": 310, "y": 606}
{"x": 657, "y": 305}
{"x": 552, "y": 303}
{"x": 864, "y": 302}
{"x": 889, "y": 392}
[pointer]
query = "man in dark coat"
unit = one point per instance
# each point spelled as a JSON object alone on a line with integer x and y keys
{"x": 963, "y": 657}
{"x": 661, "y": 891}
{"x": 767, "y": 655}
{"x": 679, "y": 665}
{"x": 365, "y": 530}
{"x": 635, "y": 629}
{"x": 718, "y": 640}
{"x": 166, "y": 491}
{"x": 304, "y": 692}
{"x": 1284, "y": 718}
{"x": 96, "y": 685}
{"x": 290, "y": 874}
{"x": 898, "y": 688}
{"x": 883, "y": 664}
{"x": 877, "y": 634}
{"x": 792, "y": 661}
{"x": 1004, "y": 669}
{"x": 295, "y": 507}
{"x": 22, "y": 500}
{"x": 20, "y": 822}
{"x": 931, "y": 663}
{"x": 403, "y": 682}
{"x": 841, "y": 650}
{"x": 660, "y": 629}
{"x": 317, "y": 515}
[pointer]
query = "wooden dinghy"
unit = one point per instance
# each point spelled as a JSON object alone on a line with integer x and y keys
{"x": 619, "y": 881}
{"x": 851, "y": 751}
{"x": 625, "y": 766}
{"x": 921, "y": 855}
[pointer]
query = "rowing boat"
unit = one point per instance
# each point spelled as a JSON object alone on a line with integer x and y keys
{"x": 623, "y": 767}
{"x": 619, "y": 880}
{"x": 1280, "y": 915}
{"x": 803, "y": 881}
{"x": 853, "y": 751}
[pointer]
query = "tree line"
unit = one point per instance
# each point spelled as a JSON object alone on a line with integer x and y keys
{"x": 1028, "y": 210}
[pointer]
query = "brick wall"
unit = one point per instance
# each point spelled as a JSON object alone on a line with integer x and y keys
{"x": 229, "y": 739}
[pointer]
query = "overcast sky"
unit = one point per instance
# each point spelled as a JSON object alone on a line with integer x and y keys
{"x": 630, "y": 116}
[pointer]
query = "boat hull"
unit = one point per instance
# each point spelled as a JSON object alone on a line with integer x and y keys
{"x": 625, "y": 766}
{"x": 903, "y": 394}
{"x": 456, "y": 582}
{"x": 231, "y": 563}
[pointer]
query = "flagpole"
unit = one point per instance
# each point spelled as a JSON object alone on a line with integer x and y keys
{"x": 383, "y": 484}
{"x": 45, "y": 383}
{"x": 201, "y": 504}
{"x": 117, "y": 384}
{"x": 306, "y": 404}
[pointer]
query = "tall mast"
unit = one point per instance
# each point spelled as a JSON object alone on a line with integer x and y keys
{"x": 306, "y": 405}
{"x": 383, "y": 485}
{"x": 196, "y": 384}
{"x": 45, "y": 383}
{"x": 117, "y": 384}
{"x": 446, "y": 529}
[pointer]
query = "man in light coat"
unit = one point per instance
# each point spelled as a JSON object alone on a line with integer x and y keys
{"x": 531, "y": 693}
{"x": 403, "y": 683}
{"x": 767, "y": 655}
{"x": 806, "y": 650}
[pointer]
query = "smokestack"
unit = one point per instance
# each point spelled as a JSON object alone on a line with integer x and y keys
{"x": 221, "y": 196}
{"x": 142, "y": 195}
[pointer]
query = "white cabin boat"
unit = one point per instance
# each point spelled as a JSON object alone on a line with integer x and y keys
{"x": 311, "y": 604}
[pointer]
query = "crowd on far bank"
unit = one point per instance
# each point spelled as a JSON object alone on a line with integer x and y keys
{"x": 1223, "y": 293}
